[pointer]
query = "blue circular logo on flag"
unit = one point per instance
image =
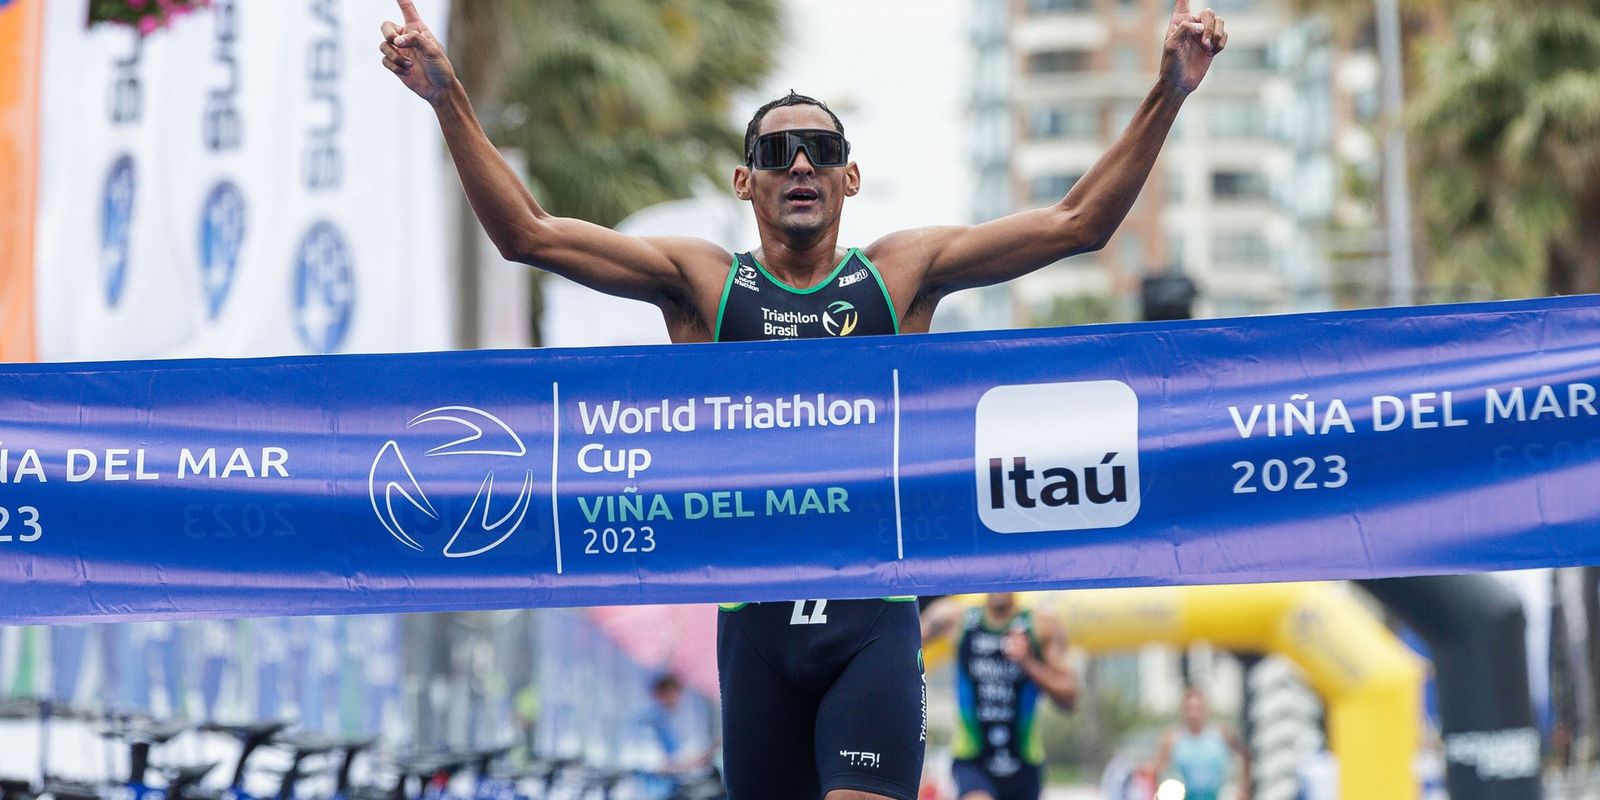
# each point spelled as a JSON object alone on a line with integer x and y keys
{"x": 324, "y": 288}
{"x": 222, "y": 226}
{"x": 116, "y": 228}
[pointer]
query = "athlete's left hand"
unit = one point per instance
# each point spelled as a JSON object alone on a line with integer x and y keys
{"x": 412, "y": 52}
{"x": 1193, "y": 39}
{"x": 1016, "y": 647}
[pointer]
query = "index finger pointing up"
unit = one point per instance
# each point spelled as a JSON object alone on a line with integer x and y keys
{"x": 409, "y": 11}
{"x": 1182, "y": 7}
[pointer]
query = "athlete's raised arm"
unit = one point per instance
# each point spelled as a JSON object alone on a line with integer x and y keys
{"x": 650, "y": 269}
{"x": 961, "y": 257}
{"x": 940, "y": 619}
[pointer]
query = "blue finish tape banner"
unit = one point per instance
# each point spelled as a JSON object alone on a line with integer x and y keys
{"x": 1357, "y": 444}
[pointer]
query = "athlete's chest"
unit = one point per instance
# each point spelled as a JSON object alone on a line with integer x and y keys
{"x": 851, "y": 301}
{"x": 984, "y": 660}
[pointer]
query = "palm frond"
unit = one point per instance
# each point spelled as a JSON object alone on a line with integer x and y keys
{"x": 1507, "y": 132}
{"x": 627, "y": 101}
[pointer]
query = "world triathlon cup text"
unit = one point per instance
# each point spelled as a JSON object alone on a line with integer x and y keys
{"x": 643, "y": 515}
{"x": 727, "y": 413}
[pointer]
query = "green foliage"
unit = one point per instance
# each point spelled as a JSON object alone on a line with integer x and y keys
{"x": 1075, "y": 309}
{"x": 1503, "y": 125}
{"x": 1507, "y": 137}
{"x": 625, "y": 103}
{"x": 146, "y": 16}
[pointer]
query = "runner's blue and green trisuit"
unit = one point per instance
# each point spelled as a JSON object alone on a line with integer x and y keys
{"x": 996, "y": 748}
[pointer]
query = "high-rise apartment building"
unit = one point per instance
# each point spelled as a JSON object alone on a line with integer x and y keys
{"x": 1243, "y": 200}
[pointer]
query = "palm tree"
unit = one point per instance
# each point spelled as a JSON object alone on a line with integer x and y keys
{"x": 616, "y": 104}
{"x": 1508, "y": 143}
{"x": 1504, "y": 123}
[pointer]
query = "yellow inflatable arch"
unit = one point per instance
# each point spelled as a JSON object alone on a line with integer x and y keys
{"x": 1369, "y": 681}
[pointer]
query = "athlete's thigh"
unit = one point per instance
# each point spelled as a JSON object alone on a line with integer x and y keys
{"x": 872, "y": 723}
{"x": 1026, "y": 784}
{"x": 767, "y": 726}
{"x": 972, "y": 782}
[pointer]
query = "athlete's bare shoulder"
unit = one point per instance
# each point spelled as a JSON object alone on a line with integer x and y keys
{"x": 698, "y": 261}
{"x": 902, "y": 250}
{"x": 906, "y": 256}
{"x": 691, "y": 312}
{"x": 690, "y": 252}
{"x": 904, "y": 259}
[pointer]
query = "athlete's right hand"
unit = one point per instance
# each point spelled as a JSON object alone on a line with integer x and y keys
{"x": 411, "y": 52}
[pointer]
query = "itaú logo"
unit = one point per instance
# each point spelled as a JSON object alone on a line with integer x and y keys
{"x": 472, "y": 439}
{"x": 840, "y": 319}
{"x": 1057, "y": 456}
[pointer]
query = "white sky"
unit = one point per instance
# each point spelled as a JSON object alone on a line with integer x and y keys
{"x": 896, "y": 72}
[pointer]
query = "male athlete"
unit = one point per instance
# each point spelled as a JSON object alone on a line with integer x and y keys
{"x": 831, "y": 707}
{"x": 1005, "y": 656}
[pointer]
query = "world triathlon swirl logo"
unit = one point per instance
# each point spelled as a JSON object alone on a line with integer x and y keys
{"x": 469, "y": 440}
{"x": 840, "y": 319}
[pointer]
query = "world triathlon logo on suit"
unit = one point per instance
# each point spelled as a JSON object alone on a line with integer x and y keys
{"x": 411, "y": 476}
{"x": 745, "y": 276}
{"x": 1057, "y": 456}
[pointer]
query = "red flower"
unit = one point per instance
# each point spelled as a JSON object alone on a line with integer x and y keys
{"x": 142, "y": 15}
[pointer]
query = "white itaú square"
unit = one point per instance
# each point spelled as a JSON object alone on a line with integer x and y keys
{"x": 1057, "y": 456}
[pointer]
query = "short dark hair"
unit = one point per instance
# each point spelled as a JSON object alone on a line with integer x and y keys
{"x": 790, "y": 99}
{"x": 665, "y": 682}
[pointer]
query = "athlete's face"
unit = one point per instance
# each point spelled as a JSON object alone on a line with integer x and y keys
{"x": 668, "y": 696}
{"x": 1001, "y": 604}
{"x": 802, "y": 200}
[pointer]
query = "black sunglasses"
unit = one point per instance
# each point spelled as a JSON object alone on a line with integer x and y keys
{"x": 824, "y": 148}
